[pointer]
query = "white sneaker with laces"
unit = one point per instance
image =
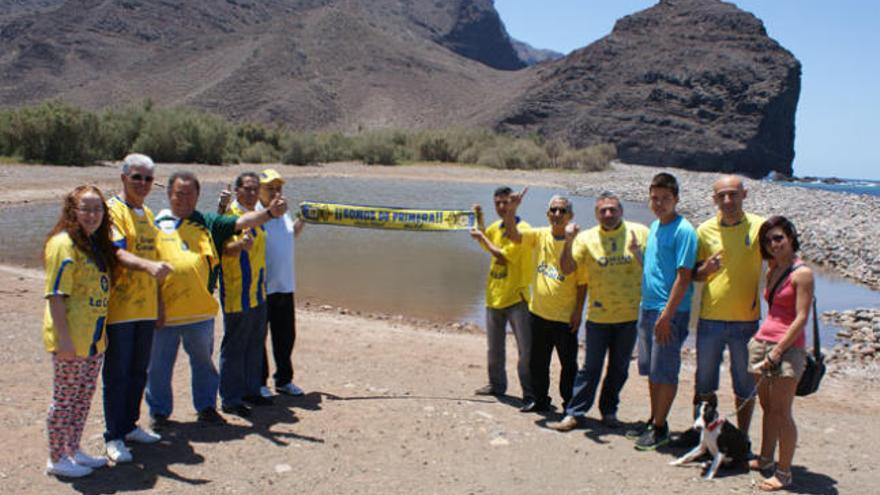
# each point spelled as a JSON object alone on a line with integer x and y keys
{"x": 290, "y": 389}
{"x": 118, "y": 452}
{"x": 140, "y": 435}
{"x": 83, "y": 459}
{"x": 67, "y": 468}
{"x": 266, "y": 392}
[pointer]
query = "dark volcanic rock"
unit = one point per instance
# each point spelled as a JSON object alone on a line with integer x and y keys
{"x": 690, "y": 83}
{"x": 531, "y": 55}
{"x": 479, "y": 34}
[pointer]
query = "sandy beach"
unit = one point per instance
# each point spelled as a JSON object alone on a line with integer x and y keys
{"x": 389, "y": 405}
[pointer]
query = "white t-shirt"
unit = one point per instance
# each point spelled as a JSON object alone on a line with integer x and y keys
{"x": 280, "y": 251}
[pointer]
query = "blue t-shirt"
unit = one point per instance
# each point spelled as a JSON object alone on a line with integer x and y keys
{"x": 670, "y": 247}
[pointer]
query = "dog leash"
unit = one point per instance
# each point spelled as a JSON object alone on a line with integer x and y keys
{"x": 750, "y": 399}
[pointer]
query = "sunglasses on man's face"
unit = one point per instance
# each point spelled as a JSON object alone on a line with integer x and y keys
{"x": 556, "y": 209}
{"x": 141, "y": 178}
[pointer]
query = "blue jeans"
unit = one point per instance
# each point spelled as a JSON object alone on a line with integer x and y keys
{"x": 198, "y": 342}
{"x": 712, "y": 336}
{"x": 241, "y": 354}
{"x": 617, "y": 340}
{"x": 125, "y": 375}
{"x": 661, "y": 363}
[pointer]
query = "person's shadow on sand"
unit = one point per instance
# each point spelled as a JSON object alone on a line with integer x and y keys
{"x": 176, "y": 448}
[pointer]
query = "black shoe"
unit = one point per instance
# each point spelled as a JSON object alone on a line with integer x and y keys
{"x": 533, "y": 406}
{"x": 488, "y": 390}
{"x": 639, "y": 429}
{"x": 258, "y": 400}
{"x": 210, "y": 415}
{"x": 159, "y": 422}
{"x": 610, "y": 421}
{"x": 688, "y": 439}
{"x": 653, "y": 439}
{"x": 240, "y": 410}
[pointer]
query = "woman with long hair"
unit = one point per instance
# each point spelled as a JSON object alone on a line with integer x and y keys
{"x": 776, "y": 352}
{"x": 79, "y": 259}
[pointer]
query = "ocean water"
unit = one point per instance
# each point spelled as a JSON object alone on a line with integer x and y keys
{"x": 851, "y": 186}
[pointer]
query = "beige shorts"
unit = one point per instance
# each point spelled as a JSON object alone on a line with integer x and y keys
{"x": 791, "y": 365}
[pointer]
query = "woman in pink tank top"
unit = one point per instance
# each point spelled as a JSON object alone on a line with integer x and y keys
{"x": 776, "y": 353}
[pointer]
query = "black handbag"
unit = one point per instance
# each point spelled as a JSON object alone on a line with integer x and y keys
{"x": 815, "y": 366}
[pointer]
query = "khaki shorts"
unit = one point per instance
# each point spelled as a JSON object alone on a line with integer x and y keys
{"x": 791, "y": 365}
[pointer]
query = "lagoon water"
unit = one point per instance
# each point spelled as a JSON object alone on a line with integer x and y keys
{"x": 431, "y": 275}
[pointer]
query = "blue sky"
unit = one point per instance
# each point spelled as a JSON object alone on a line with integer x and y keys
{"x": 836, "y": 42}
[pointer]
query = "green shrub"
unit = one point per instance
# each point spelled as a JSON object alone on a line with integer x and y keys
{"x": 187, "y": 136}
{"x": 379, "y": 147}
{"x": 515, "y": 154}
{"x": 301, "y": 149}
{"x": 590, "y": 159}
{"x": 260, "y": 152}
{"x": 54, "y": 132}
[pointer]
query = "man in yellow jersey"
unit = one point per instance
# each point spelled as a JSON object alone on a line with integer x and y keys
{"x": 612, "y": 254}
{"x": 507, "y": 293}
{"x": 243, "y": 295}
{"x": 190, "y": 241}
{"x": 556, "y": 305}
{"x": 729, "y": 261}
{"x": 133, "y": 309}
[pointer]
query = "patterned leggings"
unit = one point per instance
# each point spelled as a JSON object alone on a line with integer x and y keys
{"x": 72, "y": 390}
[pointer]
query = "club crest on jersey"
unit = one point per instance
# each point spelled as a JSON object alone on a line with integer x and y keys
{"x": 105, "y": 283}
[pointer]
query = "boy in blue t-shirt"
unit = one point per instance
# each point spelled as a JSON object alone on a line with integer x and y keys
{"x": 670, "y": 255}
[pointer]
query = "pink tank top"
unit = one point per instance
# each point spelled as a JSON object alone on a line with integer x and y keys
{"x": 781, "y": 314}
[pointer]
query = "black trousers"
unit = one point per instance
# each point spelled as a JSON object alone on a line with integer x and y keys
{"x": 546, "y": 336}
{"x": 281, "y": 310}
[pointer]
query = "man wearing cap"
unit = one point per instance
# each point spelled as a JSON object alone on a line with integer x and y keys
{"x": 281, "y": 233}
{"x": 133, "y": 308}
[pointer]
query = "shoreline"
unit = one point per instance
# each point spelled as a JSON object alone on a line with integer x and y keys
{"x": 838, "y": 233}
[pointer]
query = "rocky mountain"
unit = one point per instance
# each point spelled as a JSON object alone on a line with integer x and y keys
{"x": 531, "y": 55}
{"x": 692, "y": 83}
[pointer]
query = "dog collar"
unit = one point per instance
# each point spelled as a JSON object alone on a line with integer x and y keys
{"x": 714, "y": 424}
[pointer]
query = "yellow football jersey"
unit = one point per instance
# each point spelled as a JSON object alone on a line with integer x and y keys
{"x": 133, "y": 296}
{"x": 189, "y": 246}
{"x": 614, "y": 276}
{"x": 70, "y": 272}
{"x": 731, "y": 293}
{"x": 243, "y": 276}
{"x": 553, "y": 293}
{"x": 508, "y": 283}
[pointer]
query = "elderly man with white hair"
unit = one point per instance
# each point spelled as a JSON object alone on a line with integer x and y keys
{"x": 133, "y": 309}
{"x": 556, "y": 305}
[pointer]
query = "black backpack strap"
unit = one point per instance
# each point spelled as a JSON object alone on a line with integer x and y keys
{"x": 772, "y": 294}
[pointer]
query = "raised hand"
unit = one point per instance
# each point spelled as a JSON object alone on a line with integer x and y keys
{"x": 278, "y": 206}
{"x": 516, "y": 198}
{"x": 225, "y": 199}
{"x": 571, "y": 231}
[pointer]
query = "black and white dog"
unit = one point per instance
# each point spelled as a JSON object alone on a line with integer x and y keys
{"x": 725, "y": 442}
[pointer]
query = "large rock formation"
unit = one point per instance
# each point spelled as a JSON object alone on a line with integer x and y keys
{"x": 690, "y": 83}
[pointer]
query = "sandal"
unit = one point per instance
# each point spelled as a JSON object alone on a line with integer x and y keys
{"x": 780, "y": 480}
{"x": 761, "y": 463}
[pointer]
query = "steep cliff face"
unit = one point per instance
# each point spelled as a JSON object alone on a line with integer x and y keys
{"x": 690, "y": 83}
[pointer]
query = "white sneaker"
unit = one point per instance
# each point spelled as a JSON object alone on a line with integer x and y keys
{"x": 118, "y": 452}
{"x": 67, "y": 468}
{"x": 83, "y": 459}
{"x": 140, "y": 435}
{"x": 289, "y": 389}
{"x": 266, "y": 392}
